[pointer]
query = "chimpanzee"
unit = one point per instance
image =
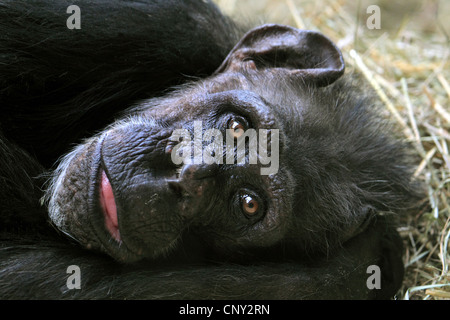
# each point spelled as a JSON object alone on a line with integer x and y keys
{"x": 95, "y": 120}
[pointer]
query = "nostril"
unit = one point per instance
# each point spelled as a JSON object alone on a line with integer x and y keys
{"x": 176, "y": 187}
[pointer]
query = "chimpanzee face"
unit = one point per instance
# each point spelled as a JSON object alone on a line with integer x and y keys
{"x": 174, "y": 164}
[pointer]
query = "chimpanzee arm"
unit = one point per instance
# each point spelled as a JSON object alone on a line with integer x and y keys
{"x": 20, "y": 194}
{"x": 39, "y": 270}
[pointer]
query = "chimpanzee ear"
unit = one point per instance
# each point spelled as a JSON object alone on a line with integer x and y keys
{"x": 305, "y": 54}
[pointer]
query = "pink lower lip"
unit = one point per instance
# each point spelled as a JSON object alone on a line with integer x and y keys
{"x": 109, "y": 207}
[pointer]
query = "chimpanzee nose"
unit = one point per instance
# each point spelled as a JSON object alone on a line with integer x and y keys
{"x": 194, "y": 180}
{"x": 198, "y": 171}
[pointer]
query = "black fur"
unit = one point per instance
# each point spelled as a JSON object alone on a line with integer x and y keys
{"x": 342, "y": 169}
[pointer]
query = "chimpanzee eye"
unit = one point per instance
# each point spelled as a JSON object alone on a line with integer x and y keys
{"x": 236, "y": 127}
{"x": 249, "y": 204}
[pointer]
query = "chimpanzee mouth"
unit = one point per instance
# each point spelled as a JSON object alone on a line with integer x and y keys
{"x": 106, "y": 221}
{"x": 108, "y": 206}
{"x": 114, "y": 215}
